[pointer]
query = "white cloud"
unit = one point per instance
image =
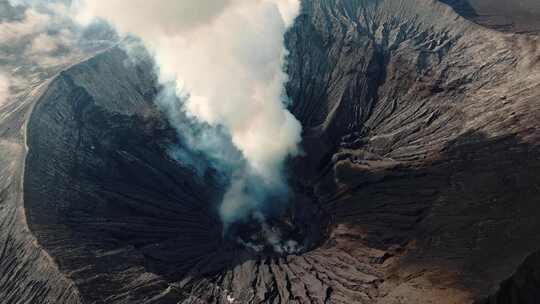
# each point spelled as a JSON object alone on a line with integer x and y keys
{"x": 228, "y": 55}
{"x": 43, "y": 34}
{"x": 33, "y": 22}
{"x": 4, "y": 88}
{"x": 44, "y": 43}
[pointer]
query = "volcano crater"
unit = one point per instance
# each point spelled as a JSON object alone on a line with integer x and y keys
{"x": 418, "y": 181}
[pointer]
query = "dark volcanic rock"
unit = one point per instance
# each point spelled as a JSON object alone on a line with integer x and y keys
{"x": 421, "y": 132}
{"x": 521, "y": 16}
{"x": 420, "y": 179}
{"x": 102, "y": 194}
{"x": 523, "y": 287}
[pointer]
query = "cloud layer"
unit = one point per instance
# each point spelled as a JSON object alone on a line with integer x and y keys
{"x": 4, "y": 88}
{"x": 227, "y": 59}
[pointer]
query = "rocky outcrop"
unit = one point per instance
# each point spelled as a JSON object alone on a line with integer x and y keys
{"x": 419, "y": 183}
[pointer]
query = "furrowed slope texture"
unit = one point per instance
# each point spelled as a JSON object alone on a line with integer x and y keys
{"x": 27, "y": 273}
{"x": 422, "y": 139}
{"x": 102, "y": 194}
{"x": 421, "y": 162}
{"x": 508, "y": 16}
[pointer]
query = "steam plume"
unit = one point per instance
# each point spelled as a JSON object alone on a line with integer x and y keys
{"x": 227, "y": 59}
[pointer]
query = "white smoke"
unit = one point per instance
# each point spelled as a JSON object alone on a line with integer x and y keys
{"x": 227, "y": 59}
{"x": 269, "y": 237}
